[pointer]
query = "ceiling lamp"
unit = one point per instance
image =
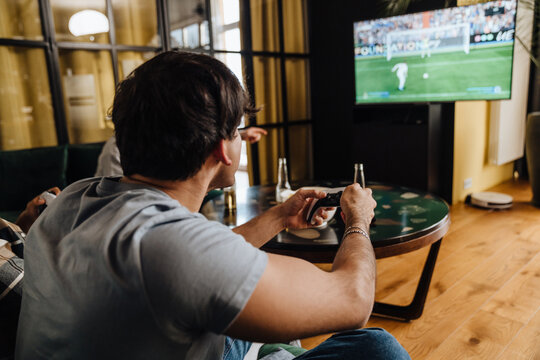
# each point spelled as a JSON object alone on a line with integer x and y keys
{"x": 88, "y": 22}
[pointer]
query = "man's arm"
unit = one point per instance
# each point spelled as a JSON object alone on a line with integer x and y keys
{"x": 291, "y": 214}
{"x": 252, "y": 134}
{"x": 295, "y": 299}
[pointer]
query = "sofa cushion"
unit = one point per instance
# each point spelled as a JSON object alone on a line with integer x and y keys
{"x": 10, "y": 215}
{"x": 14, "y": 236}
{"x": 82, "y": 161}
{"x": 27, "y": 173}
{"x": 283, "y": 351}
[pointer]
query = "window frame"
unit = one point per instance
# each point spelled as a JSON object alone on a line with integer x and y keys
{"x": 52, "y": 48}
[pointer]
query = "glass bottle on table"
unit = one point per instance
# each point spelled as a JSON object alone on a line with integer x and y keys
{"x": 360, "y": 178}
{"x": 359, "y": 175}
{"x": 283, "y": 188}
{"x": 229, "y": 197}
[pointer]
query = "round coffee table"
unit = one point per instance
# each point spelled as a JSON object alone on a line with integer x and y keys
{"x": 405, "y": 220}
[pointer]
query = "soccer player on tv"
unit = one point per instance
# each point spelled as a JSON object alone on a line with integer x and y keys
{"x": 401, "y": 70}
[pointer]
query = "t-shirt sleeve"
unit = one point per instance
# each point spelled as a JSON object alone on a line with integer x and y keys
{"x": 198, "y": 275}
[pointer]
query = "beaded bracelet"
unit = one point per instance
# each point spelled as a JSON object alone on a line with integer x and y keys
{"x": 355, "y": 229}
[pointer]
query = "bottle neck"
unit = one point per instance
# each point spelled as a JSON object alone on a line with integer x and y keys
{"x": 283, "y": 177}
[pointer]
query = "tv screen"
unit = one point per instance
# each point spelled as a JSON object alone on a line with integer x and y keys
{"x": 460, "y": 53}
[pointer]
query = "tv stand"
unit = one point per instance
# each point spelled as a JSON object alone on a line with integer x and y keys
{"x": 405, "y": 144}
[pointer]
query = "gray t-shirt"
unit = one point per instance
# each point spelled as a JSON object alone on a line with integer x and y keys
{"x": 109, "y": 160}
{"x": 117, "y": 270}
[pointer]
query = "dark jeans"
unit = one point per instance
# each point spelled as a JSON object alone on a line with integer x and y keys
{"x": 370, "y": 343}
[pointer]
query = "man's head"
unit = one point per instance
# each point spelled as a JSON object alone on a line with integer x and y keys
{"x": 173, "y": 111}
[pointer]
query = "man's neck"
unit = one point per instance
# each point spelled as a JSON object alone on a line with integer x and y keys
{"x": 190, "y": 193}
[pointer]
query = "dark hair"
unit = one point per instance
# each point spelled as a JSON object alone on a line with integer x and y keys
{"x": 172, "y": 111}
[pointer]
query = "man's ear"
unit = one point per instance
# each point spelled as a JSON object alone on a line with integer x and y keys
{"x": 220, "y": 152}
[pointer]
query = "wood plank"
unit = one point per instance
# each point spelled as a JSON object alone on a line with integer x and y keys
{"x": 449, "y": 311}
{"x": 310, "y": 343}
{"x": 519, "y": 298}
{"x": 472, "y": 250}
{"x": 512, "y": 355}
{"x": 526, "y": 341}
{"x": 478, "y": 338}
{"x": 391, "y": 282}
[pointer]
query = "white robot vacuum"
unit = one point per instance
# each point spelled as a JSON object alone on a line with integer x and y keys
{"x": 490, "y": 200}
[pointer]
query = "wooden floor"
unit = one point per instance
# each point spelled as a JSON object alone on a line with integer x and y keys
{"x": 484, "y": 298}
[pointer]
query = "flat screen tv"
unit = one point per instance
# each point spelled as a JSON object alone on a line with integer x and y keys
{"x": 459, "y": 53}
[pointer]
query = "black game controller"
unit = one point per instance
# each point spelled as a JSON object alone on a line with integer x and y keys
{"x": 332, "y": 199}
{"x": 48, "y": 197}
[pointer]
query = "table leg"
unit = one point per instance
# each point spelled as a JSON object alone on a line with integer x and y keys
{"x": 416, "y": 307}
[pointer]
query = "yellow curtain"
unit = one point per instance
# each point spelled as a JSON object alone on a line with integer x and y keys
{"x": 136, "y": 22}
{"x": 268, "y": 86}
{"x": 300, "y": 140}
{"x": 267, "y": 76}
{"x": 15, "y": 132}
{"x": 298, "y": 99}
{"x": 26, "y": 114}
{"x": 129, "y": 61}
{"x": 38, "y": 98}
{"x": 267, "y": 79}
{"x": 264, "y": 25}
{"x": 88, "y": 84}
{"x": 294, "y": 32}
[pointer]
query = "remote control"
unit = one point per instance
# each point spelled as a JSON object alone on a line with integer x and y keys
{"x": 48, "y": 197}
{"x": 333, "y": 196}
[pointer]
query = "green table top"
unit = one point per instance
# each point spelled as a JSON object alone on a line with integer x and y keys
{"x": 402, "y": 214}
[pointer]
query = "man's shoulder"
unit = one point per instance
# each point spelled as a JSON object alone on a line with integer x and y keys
{"x": 100, "y": 203}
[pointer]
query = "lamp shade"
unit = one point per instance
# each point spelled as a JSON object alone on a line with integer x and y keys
{"x": 88, "y": 22}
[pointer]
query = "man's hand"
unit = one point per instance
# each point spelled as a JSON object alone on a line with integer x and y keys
{"x": 252, "y": 134}
{"x": 294, "y": 210}
{"x": 31, "y": 213}
{"x": 357, "y": 206}
{"x": 290, "y": 214}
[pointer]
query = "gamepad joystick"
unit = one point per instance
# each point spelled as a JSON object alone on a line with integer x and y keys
{"x": 48, "y": 197}
{"x": 332, "y": 199}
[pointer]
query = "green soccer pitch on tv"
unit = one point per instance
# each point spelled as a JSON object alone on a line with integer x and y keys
{"x": 458, "y": 53}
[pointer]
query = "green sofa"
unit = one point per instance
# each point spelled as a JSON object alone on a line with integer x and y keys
{"x": 27, "y": 173}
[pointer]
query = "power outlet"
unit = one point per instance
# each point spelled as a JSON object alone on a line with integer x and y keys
{"x": 467, "y": 183}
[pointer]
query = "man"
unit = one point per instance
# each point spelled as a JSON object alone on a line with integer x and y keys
{"x": 401, "y": 70}
{"x": 127, "y": 268}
